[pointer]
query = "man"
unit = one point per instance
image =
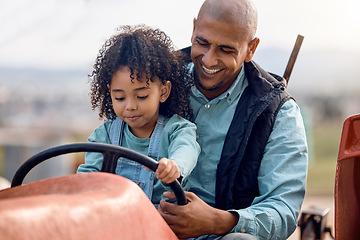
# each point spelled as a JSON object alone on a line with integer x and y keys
{"x": 250, "y": 178}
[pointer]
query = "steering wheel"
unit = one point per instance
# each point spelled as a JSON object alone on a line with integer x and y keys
{"x": 111, "y": 154}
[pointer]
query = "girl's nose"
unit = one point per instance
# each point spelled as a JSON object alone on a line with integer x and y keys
{"x": 131, "y": 105}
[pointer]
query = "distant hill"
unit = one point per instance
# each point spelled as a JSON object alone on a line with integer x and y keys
{"x": 315, "y": 72}
{"x": 45, "y": 76}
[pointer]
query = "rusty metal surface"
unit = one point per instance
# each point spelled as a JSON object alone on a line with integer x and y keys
{"x": 80, "y": 206}
{"x": 347, "y": 182}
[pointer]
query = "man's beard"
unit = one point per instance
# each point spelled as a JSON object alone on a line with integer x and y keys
{"x": 198, "y": 83}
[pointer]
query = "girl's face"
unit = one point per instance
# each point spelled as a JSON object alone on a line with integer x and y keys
{"x": 137, "y": 103}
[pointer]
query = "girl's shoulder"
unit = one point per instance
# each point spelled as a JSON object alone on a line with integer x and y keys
{"x": 178, "y": 119}
{"x": 101, "y": 133}
{"x": 176, "y": 122}
{"x": 105, "y": 126}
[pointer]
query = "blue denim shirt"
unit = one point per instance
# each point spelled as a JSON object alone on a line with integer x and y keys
{"x": 283, "y": 170}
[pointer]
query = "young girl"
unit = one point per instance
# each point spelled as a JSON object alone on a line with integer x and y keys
{"x": 141, "y": 88}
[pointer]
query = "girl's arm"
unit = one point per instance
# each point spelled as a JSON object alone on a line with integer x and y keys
{"x": 93, "y": 160}
{"x": 180, "y": 145}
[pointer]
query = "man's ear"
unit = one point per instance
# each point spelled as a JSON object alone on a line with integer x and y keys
{"x": 165, "y": 90}
{"x": 192, "y": 35}
{"x": 252, "y": 48}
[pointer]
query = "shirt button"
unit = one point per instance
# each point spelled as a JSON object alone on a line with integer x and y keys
{"x": 207, "y": 105}
{"x": 243, "y": 230}
{"x": 197, "y": 137}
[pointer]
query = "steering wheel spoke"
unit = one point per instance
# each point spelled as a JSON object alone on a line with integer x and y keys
{"x": 110, "y": 161}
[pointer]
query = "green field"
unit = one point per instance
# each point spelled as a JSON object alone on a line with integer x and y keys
{"x": 323, "y": 152}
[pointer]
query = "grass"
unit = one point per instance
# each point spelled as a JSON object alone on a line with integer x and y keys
{"x": 323, "y": 151}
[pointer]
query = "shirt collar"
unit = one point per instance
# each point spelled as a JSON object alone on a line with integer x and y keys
{"x": 231, "y": 94}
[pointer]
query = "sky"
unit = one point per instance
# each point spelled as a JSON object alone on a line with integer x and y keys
{"x": 67, "y": 34}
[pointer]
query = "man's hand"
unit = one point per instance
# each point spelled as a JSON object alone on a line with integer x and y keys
{"x": 196, "y": 218}
{"x": 167, "y": 171}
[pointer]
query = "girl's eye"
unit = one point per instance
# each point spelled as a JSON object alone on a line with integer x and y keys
{"x": 119, "y": 99}
{"x": 142, "y": 97}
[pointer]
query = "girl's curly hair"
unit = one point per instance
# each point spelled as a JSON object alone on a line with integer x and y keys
{"x": 144, "y": 51}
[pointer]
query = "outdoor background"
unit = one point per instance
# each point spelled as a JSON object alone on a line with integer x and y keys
{"x": 47, "y": 48}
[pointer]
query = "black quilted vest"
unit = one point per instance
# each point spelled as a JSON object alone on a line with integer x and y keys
{"x": 236, "y": 179}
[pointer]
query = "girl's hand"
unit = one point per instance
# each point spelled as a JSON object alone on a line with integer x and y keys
{"x": 167, "y": 171}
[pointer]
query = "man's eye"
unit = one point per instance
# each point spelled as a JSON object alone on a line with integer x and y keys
{"x": 225, "y": 50}
{"x": 201, "y": 42}
{"x": 142, "y": 97}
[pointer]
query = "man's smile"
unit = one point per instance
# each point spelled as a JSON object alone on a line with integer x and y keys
{"x": 210, "y": 71}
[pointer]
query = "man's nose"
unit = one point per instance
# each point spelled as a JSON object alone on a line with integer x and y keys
{"x": 210, "y": 58}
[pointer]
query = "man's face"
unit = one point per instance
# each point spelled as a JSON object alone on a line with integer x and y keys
{"x": 218, "y": 51}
